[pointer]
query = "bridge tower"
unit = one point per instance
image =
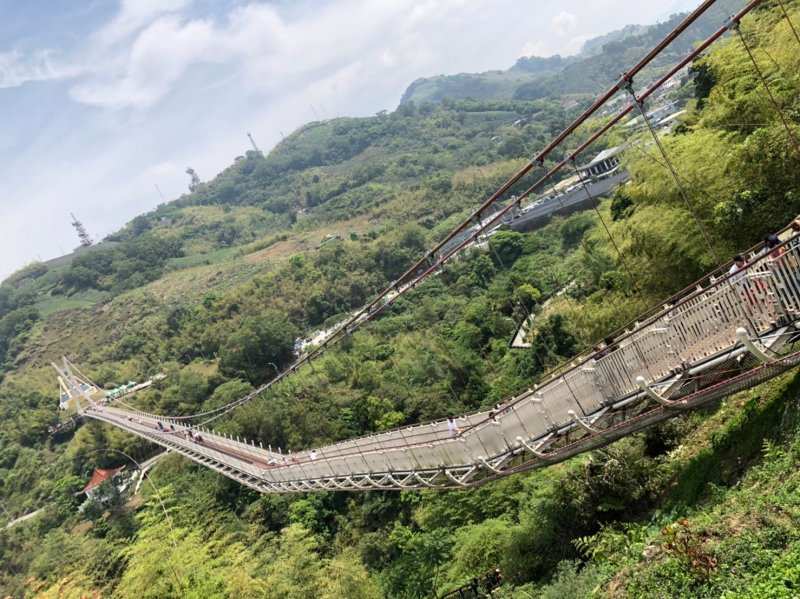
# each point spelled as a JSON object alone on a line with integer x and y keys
{"x": 195, "y": 182}
{"x": 83, "y": 235}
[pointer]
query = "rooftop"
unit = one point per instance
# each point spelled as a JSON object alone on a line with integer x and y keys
{"x": 99, "y": 476}
{"x": 674, "y": 116}
{"x": 604, "y": 155}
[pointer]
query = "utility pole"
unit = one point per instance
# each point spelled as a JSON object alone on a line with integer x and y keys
{"x": 161, "y": 195}
{"x": 83, "y": 235}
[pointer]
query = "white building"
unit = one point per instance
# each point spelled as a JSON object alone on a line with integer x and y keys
{"x": 604, "y": 163}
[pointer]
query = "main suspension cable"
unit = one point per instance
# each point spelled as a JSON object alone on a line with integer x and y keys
{"x": 403, "y": 284}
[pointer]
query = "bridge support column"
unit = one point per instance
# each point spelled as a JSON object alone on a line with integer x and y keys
{"x": 744, "y": 337}
{"x": 667, "y": 403}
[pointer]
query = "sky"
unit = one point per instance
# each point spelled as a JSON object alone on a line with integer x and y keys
{"x": 103, "y": 100}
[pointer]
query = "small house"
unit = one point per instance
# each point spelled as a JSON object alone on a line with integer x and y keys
{"x": 99, "y": 476}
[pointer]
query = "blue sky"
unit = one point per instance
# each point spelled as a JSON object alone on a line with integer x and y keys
{"x": 100, "y": 100}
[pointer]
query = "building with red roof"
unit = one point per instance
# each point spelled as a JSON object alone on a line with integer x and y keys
{"x": 99, "y": 476}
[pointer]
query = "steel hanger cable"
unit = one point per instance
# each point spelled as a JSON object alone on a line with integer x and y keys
{"x": 767, "y": 88}
{"x": 595, "y": 206}
{"x": 681, "y": 189}
{"x": 789, "y": 20}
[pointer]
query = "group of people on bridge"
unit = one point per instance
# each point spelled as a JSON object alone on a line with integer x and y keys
{"x": 776, "y": 248}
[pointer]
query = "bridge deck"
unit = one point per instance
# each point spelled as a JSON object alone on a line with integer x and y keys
{"x": 731, "y": 334}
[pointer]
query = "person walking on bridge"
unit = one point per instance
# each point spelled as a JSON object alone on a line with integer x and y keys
{"x": 781, "y": 260}
{"x": 772, "y": 247}
{"x": 452, "y": 427}
{"x": 739, "y": 278}
{"x": 738, "y": 264}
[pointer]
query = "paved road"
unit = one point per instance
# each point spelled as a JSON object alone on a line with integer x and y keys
{"x": 22, "y": 519}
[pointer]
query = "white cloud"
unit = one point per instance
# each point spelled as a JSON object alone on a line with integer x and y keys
{"x": 17, "y": 68}
{"x": 534, "y": 48}
{"x": 574, "y": 44}
{"x": 564, "y": 23}
{"x": 154, "y": 63}
{"x": 162, "y": 169}
{"x": 273, "y": 54}
{"x": 133, "y": 15}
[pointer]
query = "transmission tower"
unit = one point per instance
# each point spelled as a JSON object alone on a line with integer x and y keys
{"x": 86, "y": 241}
{"x": 195, "y": 182}
{"x": 253, "y": 143}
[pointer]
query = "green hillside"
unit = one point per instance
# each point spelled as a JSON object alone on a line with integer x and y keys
{"x": 213, "y": 289}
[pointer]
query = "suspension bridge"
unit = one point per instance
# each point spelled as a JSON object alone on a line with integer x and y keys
{"x": 733, "y": 330}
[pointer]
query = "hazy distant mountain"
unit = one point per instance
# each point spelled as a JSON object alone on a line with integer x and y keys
{"x": 599, "y": 63}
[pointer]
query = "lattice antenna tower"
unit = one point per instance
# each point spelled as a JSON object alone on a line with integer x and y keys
{"x": 83, "y": 235}
{"x": 195, "y": 182}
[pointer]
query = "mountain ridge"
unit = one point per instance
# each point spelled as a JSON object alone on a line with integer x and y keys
{"x": 596, "y": 64}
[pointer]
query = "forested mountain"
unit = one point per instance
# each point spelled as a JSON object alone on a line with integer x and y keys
{"x": 214, "y": 288}
{"x": 597, "y": 65}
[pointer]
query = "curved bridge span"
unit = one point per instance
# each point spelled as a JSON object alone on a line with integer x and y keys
{"x": 725, "y": 335}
